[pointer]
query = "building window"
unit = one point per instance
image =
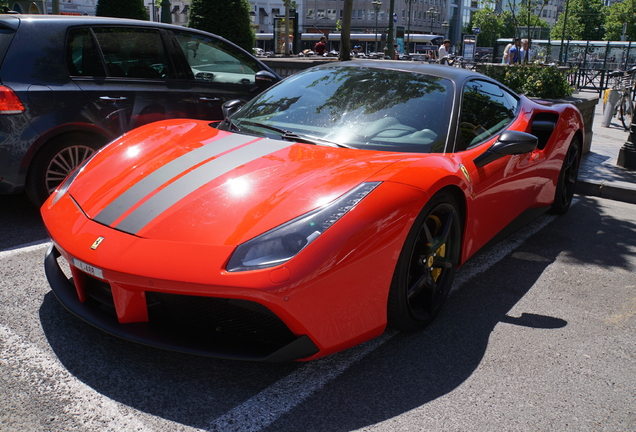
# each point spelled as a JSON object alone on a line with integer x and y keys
{"x": 310, "y": 14}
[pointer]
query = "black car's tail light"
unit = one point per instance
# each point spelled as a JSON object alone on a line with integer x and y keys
{"x": 9, "y": 102}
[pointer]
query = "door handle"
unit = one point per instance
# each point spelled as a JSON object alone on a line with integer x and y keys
{"x": 113, "y": 99}
{"x": 207, "y": 99}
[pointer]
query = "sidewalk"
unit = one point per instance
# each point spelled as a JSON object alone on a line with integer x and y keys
{"x": 599, "y": 175}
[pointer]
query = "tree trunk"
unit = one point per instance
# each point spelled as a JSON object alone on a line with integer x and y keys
{"x": 345, "y": 36}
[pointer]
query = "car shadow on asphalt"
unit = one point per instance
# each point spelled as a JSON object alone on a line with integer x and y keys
{"x": 404, "y": 373}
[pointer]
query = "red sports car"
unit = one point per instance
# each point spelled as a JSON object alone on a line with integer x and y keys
{"x": 338, "y": 202}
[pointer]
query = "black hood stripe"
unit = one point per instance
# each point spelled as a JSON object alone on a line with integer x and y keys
{"x": 198, "y": 177}
{"x": 155, "y": 179}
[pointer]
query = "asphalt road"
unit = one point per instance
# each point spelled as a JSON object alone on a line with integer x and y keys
{"x": 538, "y": 335}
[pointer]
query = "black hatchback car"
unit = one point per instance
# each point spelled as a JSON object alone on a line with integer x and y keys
{"x": 69, "y": 85}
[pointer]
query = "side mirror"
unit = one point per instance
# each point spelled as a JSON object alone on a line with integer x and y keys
{"x": 510, "y": 142}
{"x": 265, "y": 79}
{"x": 230, "y": 107}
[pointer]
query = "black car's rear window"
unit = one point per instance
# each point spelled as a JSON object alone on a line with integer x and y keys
{"x": 82, "y": 56}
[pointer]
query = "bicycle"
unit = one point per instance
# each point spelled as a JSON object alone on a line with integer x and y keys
{"x": 453, "y": 60}
{"x": 624, "y": 85}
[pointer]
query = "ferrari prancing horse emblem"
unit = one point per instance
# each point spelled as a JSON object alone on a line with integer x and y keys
{"x": 465, "y": 171}
{"x": 97, "y": 243}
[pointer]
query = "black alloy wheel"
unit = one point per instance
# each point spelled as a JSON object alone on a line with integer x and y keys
{"x": 567, "y": 178}
{"x": 426, "y": 268}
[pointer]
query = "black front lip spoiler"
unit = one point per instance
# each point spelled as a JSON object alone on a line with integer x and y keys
{"x": 144, "y": 334}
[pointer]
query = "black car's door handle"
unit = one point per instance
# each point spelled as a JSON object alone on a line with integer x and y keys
{"x": 113, "y": 99}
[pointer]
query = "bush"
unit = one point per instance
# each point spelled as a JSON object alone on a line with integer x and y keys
{"x": 532, "y": 80}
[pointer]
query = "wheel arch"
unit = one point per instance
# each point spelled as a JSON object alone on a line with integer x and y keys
{"x": 46, "y": 139}
{"x": 460, "y": 198}
{"x": 579, "y": 134}
{"x": 91, "y": 131}
{"x": 37, "y": 183}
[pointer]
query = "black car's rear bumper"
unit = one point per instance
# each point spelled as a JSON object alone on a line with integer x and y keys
{"x": 167, "y": 336}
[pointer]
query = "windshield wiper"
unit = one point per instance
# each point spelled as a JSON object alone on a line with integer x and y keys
{"x": 266, "y": 126}
{"x": 314, "y": 140}
{"x": 293, "y": 136}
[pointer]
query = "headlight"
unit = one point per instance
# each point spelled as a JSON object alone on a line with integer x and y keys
{"x": 283, "y": 242}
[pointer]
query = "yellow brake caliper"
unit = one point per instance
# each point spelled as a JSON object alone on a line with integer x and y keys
{"x": 441, "y": 251}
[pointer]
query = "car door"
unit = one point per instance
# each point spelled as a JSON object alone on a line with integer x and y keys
{"x": 508, "y": 184}
{"x": 217, "y": 70}
{"x": 128, "y": 75}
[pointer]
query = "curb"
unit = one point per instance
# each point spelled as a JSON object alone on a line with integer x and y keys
{"x": 625, "y": 193}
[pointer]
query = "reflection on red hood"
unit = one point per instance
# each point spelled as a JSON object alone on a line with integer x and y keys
{"x": 182, "y": 180}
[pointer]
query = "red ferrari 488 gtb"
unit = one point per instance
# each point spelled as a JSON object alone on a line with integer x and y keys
{"x": 336, "y": 203}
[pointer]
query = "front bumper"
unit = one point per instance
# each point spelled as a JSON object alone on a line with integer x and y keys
{"x": 166, "y": 330}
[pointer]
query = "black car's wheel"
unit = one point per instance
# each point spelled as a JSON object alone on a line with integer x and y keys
{"x": 55, "y": 161}
{"x": 567, "y": 178}
{"x": 426, "y": 266}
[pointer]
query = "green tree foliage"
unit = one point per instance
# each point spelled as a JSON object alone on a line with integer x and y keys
{"x": 528, "y": 18}
{"x": 492, "y": 25}
{"x": 134, "y": 9}
{"x": 227, "y": 18}
{"x": 585, "y": 20}
{"x": 616, "y": 15}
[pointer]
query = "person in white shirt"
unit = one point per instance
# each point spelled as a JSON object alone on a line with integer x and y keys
{"x": 444, "y": 51}
{"x": 524, "y": 48}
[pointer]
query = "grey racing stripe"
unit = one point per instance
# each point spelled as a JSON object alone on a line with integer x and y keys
{"x": 174, "y": 192}
{"x": 167, "y": 172}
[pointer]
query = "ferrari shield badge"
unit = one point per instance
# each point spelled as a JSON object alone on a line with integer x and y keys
{"x": 97, "y": 242}
{"x": 465, "y": 171}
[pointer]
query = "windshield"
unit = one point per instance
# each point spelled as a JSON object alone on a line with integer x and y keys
{"x": 357, "y": 107}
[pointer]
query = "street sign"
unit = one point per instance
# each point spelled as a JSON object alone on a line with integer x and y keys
{"x": 476, "y": 30}
{"x": 394, "y": 17}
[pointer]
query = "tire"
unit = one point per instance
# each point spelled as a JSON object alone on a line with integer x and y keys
{"x": 427, "y": 264}
{"x": 567, "y": 178}
{"x": 626, "y": 112}
{"x": 56, "y": 160}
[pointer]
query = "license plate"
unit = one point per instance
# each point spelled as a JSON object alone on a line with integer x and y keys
{"x": 87, "y": 268}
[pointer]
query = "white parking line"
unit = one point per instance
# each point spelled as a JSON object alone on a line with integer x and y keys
{"x": 28, "y": 247}
{"x": 263, "y": 409}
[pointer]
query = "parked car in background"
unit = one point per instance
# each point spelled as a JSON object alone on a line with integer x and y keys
{"x": 69, "y": 85}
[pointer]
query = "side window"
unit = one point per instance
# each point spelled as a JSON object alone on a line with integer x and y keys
{"x": 133, "y": 52}
{"x": 82, "y": 57}
{"x": 213, "y": 60}
{"x": 486, "y": 109}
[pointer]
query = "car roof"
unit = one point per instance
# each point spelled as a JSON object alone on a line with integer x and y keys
{"x": 442, "y": 71}
{"x": 12, "y": 20}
